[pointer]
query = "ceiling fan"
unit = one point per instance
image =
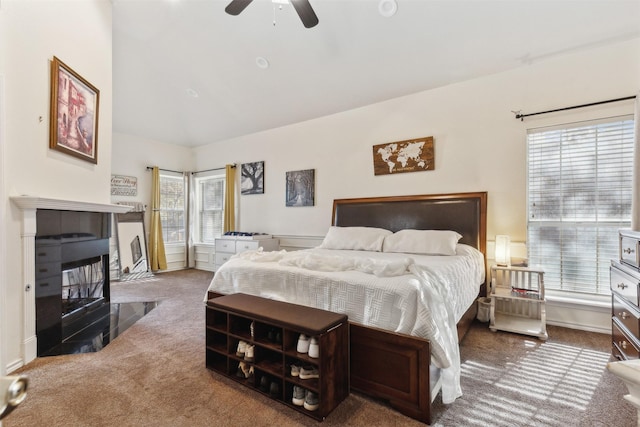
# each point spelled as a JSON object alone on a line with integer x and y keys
{"x": 302, "y": 7}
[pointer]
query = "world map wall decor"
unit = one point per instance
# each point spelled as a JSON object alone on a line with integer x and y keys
{"x": 411, "y": 155}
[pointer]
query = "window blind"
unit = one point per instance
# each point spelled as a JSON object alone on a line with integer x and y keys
{"x": 172, "y": 208}
{"x": 210, "y": 208}
{"x": 579, "y": 195}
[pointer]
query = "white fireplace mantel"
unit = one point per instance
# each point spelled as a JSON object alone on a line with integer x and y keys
{"x": 33, "y": 202}
{"x": 29, "y": 206}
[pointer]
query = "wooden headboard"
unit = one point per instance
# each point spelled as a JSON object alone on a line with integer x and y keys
{"x": 465, "y": 213}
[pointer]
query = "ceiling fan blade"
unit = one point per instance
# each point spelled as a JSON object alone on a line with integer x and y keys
{"x": 305, "y": 12}
{"x": 236, "y": 6}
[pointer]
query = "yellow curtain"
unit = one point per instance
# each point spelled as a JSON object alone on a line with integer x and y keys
{"x": 157, "y": 256}
{"x": 229, "y": 199}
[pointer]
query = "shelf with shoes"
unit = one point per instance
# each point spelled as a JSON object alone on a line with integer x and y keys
{"x": 293, "y": 354}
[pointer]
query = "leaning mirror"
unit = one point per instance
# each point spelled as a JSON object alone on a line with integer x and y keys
{"x": 132, "y": 243}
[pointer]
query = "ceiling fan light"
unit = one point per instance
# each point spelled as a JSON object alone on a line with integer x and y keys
{"x": 387, "y": 8}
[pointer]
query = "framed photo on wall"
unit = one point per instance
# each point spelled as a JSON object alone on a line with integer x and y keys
{"x": 411, "y": 155}
{"x": 74, "y": 113}
{"x": 252, "y": 179}
{"x": 300, "y": 188}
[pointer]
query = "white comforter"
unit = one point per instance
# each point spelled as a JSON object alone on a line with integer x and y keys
{"x": 417, "y": 295}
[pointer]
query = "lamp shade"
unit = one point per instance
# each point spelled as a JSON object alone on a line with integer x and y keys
{"x": 503, "y": 251}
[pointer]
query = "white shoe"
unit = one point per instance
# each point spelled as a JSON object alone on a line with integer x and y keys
{"x": 314, "y": 348}
{"x": 248, "y": 353}
{"x": 242, "y": 347}
{"x": 303, "y": 344}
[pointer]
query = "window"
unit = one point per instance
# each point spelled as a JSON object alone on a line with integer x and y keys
{"x": 579, "y": 195}
{"x": 172, "y": 208}
{"x": 210, "y": 196}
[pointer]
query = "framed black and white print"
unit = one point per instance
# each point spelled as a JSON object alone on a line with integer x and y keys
{"x": 300, "y": 188}
{"x": 252, "y": 178}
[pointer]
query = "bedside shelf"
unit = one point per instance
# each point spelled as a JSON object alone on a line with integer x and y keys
{"x": 517, "y": 301}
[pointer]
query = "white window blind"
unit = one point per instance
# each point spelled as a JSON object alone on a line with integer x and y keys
{"x": 210, "y": 194}
{"x": 172, "y": 208}
{"x": 579, "y": 195}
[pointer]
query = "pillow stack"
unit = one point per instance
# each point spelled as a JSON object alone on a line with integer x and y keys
{"x": 424, "y": 242}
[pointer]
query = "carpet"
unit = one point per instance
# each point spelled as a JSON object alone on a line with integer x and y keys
{"x": 154, "y": 375}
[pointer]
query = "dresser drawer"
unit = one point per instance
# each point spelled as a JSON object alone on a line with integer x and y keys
{"x": 629, "y": 250}
{"x": 624, "y": 344}
{"x": 225, "y": 245}
{"x": 626, "y": 316}
{"x": 222, "y": 257}
{"x": 247, "y": 245}
{"x": 624, "y": 285}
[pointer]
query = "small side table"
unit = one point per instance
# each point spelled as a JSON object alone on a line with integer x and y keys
{"x": 517, "y": 301}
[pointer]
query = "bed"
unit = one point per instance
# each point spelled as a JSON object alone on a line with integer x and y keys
{"x": 391, "y": 356}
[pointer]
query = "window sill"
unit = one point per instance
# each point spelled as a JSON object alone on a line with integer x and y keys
{"x": 581, "y": 300}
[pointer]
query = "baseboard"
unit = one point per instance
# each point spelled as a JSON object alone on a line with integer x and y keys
{"x": 574, "y": 315}
{"x": 15, "y": 365}
{"x": 580, "y": 327}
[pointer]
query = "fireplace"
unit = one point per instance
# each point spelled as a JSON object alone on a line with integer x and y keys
{"x": 82, "y": 286}
{"x": 28, "y": 206}
{"x": 72, "y": 276}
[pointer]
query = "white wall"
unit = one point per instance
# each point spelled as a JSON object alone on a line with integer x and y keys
{"x": 31, "y": 33}
{"x": 130, "y": 156}
{"x": 479, "y": 145}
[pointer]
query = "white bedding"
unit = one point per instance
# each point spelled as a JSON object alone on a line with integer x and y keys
{"x": 412, "y": 294}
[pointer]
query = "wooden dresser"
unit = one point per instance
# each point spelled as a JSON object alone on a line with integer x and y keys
{"x": 625, "y": 298}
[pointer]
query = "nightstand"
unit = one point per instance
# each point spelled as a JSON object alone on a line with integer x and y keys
{"x": 517, "y": 300}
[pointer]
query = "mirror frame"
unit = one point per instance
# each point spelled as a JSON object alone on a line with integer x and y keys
{"x": 131, "y": 217}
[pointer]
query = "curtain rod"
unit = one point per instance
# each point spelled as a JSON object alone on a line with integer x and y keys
{"x": 208, "y": 170}
{"x": 149, "y": 168}
{"x": 522, "y": 116}
{"x": 214, "y": 169}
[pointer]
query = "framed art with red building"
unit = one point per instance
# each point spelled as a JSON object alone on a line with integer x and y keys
{"x": 74, "y": 113}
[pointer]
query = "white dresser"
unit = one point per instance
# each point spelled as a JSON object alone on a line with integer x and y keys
{"x": 226, "y": 247}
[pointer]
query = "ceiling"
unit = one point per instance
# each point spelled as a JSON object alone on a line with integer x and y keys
{"x": 185, "y": 72}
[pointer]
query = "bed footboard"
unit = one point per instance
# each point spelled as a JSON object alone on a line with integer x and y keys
{"x": 392, "y": 367}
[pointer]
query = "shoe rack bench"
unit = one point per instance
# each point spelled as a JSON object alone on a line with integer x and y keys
{"x": 276, "y": 328}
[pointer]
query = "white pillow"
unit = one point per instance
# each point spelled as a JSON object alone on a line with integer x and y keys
{"x": 427, "y": 242}
{"x": 355, "y": 238}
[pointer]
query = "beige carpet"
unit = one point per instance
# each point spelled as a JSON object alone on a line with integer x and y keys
{"x": 154, "y": 375}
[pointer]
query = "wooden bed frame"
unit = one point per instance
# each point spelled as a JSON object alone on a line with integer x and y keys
{"x": 396, "y": 367}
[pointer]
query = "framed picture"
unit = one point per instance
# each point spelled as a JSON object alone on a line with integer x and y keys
{"x": 74, "y": 113}
{"x": 122, "y": 185}
{"x": 252, "y": 178}
{"x": 300, "y": 188}
{"x": 411, "y": 155}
